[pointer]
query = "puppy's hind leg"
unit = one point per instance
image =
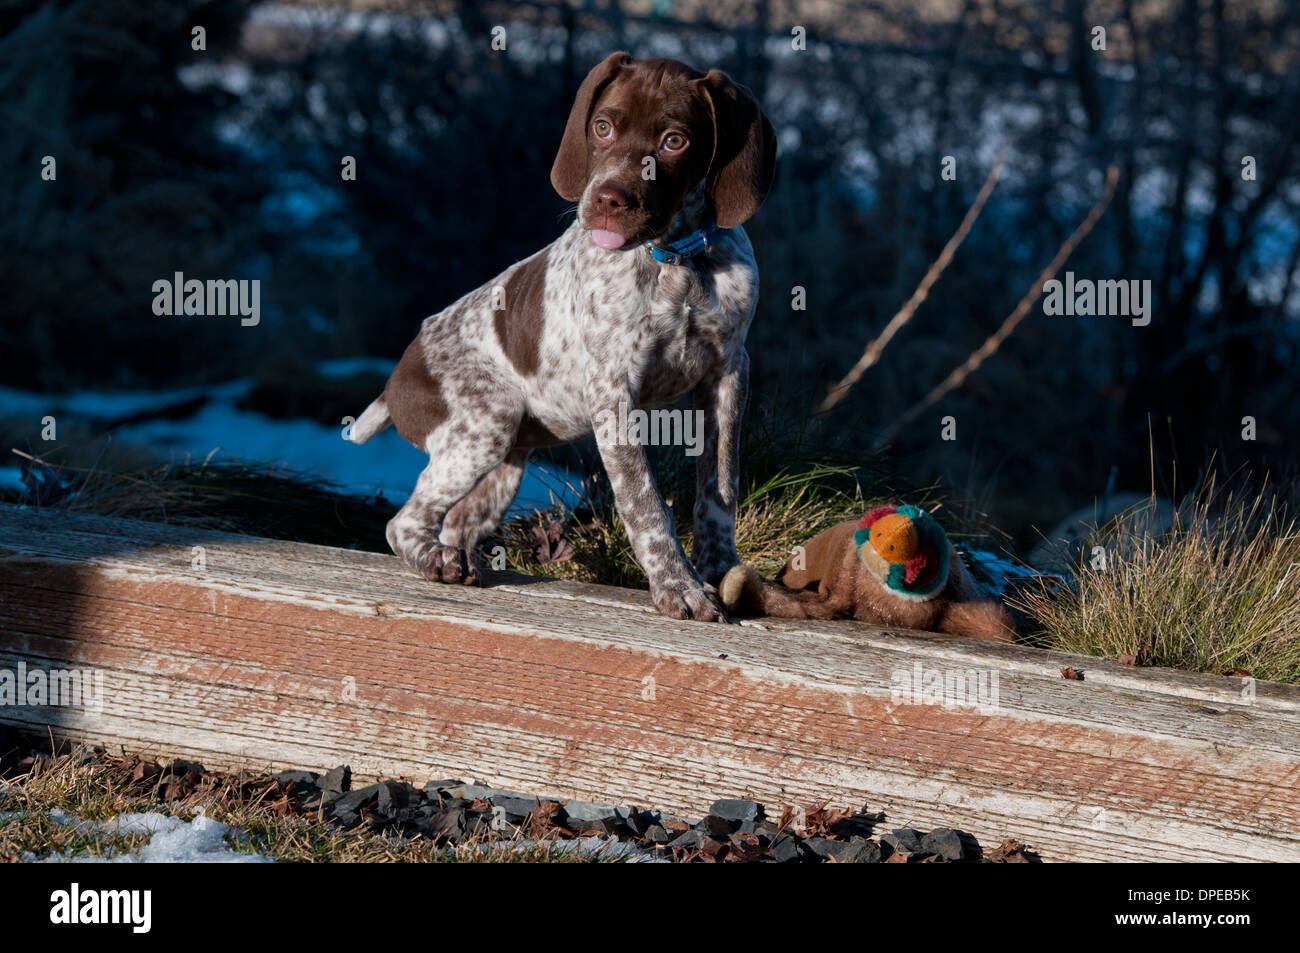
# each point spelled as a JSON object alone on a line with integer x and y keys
{"x": 458, "y": 459}
{"x": 479, "y": 513}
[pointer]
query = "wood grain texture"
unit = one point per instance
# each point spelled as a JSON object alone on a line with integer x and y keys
{"x": 277, "y": 655}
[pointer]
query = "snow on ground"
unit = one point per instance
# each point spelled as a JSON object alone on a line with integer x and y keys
{"x": 171, "y": 841}
{"x": 222, "y": 430}
{"x": 203, "y": 840}
{"x": 11, "y": 478}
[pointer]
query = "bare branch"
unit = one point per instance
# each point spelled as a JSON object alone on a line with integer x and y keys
{"x": 873, "y": 351}
{"x": 994, "y": 341}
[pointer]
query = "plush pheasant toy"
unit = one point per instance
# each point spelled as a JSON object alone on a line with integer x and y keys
{"x": 893, "y": 567}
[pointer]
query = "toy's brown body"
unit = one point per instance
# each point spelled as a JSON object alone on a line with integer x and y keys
{"x": 834, "y": 583}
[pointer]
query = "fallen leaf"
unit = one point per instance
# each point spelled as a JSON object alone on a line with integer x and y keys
{"x": 714, "y": 853}
{"x": 177, "y": 790}
{"x": 1072, "y": 673}
{"x": 1010, "y": 851}
{"x": 820, "y": 820}
{"x": 541, "y": 821}
{"x": 549, "y": 544}
{"x": 788, "y": 816}
{"x": 145, "y": 771}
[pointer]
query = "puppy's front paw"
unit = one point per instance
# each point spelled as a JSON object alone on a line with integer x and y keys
{"x": 441, "y": 563}
{"x": 690, "y": 601}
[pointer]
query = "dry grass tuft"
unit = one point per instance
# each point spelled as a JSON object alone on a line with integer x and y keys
{"x": 38, "y": 810}
{"x": 1219, "y": 592}
{"x": 773, "y": 517}
{"x": 227, "y": 496}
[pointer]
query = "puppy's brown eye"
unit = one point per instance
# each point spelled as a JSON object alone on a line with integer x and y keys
{"x": 603, "y": 128}
{"x": 674, "y": 142}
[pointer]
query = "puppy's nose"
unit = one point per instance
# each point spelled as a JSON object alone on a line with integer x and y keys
{"x": 610, "y": 200}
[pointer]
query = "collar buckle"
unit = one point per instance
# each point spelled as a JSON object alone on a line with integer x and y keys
{"x": 690, "y": 246}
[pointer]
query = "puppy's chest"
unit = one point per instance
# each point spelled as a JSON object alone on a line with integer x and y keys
{"x": 672, "y": 328}
{"x": 678, "y": 339}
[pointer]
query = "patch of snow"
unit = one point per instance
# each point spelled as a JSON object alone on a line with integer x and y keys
{"x": 11, "y": 478}
{"x": 386, "y": 464}
{"x": 111, "y": 405}
{"x": 350, "y": 366}
{"x": 172, "y": 840}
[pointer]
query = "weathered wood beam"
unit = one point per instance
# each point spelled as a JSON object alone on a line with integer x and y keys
{"x": 251, "y": 653}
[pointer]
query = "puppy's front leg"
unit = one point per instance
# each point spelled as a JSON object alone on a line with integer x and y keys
{"x": 721, "y": 398}
{"x": 675, "y": 587}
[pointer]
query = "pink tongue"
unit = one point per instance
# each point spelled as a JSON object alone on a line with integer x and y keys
{"x": 607, "y": 239}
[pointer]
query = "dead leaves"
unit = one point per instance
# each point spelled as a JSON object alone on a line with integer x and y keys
{"x": 1072, "y": 673}
{"x": 821, "y": 820}
{"x": 180, "y": 782}
{"x": 1010, "y": 851}
{"x": 737, "y": 849}
{"x": 145, "y": 772}
{"x": 549, "y": 544}
{"x": 541, "y": 822}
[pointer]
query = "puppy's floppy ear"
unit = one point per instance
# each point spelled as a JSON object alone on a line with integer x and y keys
{"x": 744, "y": 150}
{"x": 569, "y": 173}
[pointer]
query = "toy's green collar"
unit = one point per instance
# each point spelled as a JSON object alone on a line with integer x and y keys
{"x": 929, "y": 571}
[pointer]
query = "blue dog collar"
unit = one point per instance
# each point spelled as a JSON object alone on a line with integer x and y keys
{"x": 688, "y": 247}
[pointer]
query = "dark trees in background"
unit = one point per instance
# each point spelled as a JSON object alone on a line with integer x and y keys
{"x": 143, "y": 188}
{"x": 237, "y": 174}
{"x": 453, "y": 148}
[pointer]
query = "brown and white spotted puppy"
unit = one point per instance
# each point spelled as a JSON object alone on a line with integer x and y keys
{"x": 593, "y": 326}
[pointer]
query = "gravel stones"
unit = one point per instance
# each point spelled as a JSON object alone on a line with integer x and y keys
{"x": 582, "y": 816}
{"x": 452, "y": 811}
{"x": 904, "y": 840}
{"x": 741, "y": 815}
{"x": 950, "y": 845}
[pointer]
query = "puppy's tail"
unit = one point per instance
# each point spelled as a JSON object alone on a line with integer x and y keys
{"x": 372, "y": 420}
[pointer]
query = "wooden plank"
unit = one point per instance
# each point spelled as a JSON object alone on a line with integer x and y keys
{"x": 277, "y": 655}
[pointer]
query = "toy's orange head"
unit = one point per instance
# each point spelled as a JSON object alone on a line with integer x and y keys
{"x": 905, "y": 549}
{"x": 895, "y": 538}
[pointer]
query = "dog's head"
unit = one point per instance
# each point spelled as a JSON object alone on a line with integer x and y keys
{"x": 643, "y": 133}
